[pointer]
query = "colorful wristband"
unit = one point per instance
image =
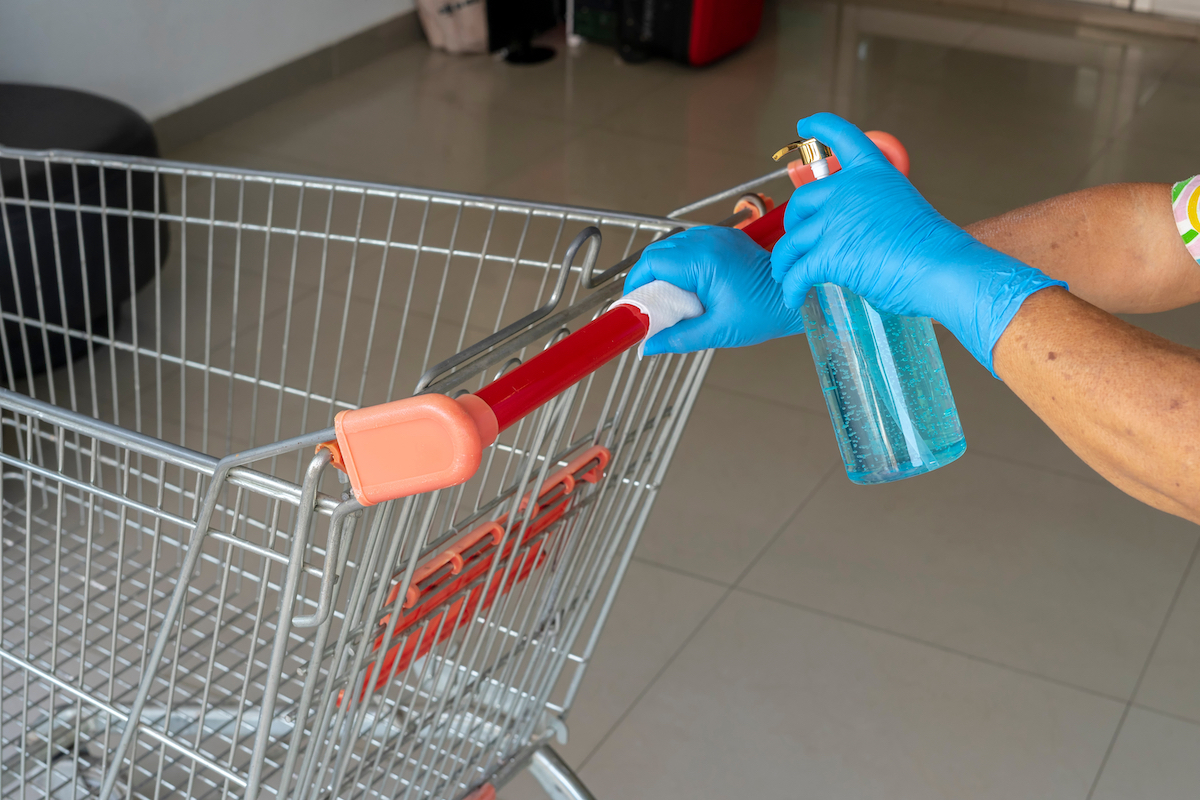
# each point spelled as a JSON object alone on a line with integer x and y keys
{"x": 1184, "y": 196}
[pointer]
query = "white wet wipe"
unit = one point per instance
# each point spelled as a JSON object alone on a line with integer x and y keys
{"x": 664, "y": 303}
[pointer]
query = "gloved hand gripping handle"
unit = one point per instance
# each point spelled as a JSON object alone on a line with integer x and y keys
{"x": 430, "y": 441}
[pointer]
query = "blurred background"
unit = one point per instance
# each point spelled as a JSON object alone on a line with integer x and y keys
{"x": 1011, "y": 626}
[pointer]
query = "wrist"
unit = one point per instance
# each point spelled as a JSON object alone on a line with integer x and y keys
{"x": 1011, "y": 351}
{"x": 996, "y": 287}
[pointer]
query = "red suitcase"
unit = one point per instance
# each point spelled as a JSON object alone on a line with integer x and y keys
{"x": 696, "y": 32}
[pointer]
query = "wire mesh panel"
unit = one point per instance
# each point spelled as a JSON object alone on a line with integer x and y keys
{"x": 176, "y": 340}
{"x": 96, "y": 521}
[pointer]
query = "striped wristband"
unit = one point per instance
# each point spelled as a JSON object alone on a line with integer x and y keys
{"x": 1184, "y": 196}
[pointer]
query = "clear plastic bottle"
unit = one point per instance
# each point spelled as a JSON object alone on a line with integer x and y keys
{"x": 883, "y": 379}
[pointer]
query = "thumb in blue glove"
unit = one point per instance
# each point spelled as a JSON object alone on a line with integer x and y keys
{"x": 732, "y": 277}
{"x": 866, "y": 228}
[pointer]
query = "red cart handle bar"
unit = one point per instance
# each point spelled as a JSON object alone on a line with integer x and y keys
{"x": 430, "y": 441}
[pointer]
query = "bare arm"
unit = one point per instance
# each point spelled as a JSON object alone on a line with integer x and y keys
{"x": 1125, "y": 400}
{"x": 1116, "y": 246}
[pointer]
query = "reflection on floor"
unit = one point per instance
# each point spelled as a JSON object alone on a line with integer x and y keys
{"x": 1008, "y": 627}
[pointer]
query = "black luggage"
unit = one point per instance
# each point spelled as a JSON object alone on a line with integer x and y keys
{"x": 694, "y": 32}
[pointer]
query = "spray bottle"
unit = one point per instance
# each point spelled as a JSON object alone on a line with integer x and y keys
{"x": 882, "y": 376}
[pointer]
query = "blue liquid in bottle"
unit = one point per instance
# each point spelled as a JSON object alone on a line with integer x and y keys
{"x": 885, "y": 386}
{"x": 882, "y": 376}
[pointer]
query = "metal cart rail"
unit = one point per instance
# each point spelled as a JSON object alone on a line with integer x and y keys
{"x": 175, "y": 555}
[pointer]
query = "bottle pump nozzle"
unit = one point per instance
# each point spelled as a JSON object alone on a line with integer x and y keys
{"x": 812, "y": 152}
{"x": 883, "y": 376}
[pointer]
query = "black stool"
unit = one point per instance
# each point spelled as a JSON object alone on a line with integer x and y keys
{"x": 100, "y": 259}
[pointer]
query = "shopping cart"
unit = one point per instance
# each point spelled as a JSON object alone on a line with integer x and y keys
{"x": 209, "y": 587}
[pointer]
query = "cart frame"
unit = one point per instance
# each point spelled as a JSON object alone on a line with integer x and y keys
{"x": 298, "y": 591}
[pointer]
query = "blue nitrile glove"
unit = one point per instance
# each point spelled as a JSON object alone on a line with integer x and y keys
{"x": 732, "y": 277}
{"x": 866, "y": 228}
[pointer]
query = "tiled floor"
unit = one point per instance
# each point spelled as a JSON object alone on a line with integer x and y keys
{"x": 1010, "y": 627}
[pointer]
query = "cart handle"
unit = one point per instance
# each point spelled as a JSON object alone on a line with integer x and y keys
{"x": 430, "y": 441}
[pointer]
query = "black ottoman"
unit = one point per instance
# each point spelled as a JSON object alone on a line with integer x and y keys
{"x": 100, "y": 259}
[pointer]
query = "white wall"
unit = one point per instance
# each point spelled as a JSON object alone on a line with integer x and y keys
{"x": 161, "y": 55}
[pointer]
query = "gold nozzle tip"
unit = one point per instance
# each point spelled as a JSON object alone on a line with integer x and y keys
{"x": 783, "y": 151}
{"x": 810, "y": 150}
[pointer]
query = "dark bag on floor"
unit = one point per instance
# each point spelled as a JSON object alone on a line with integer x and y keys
{"x": 695, "y": 32}
{"x": 79, "y": 265}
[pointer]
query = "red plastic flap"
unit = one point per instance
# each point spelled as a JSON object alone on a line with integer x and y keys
{"x": 445, "y": 593}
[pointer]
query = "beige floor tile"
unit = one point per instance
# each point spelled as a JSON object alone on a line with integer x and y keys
{"x": 403, "y": 71}
{"x": 770, "y": 701}
{"x": 754, "y": 117}
{"x": 1155, "y": 757}
{"x": 996, "y": 422}
{"x": 742, "y": 467}
{"x": 1181, "y": 325}
{"x": 1053, "y": 45}
{"x": 405, "y": 132}
{"x": 1186, "y": 68}
{"x": 1065, "y": 578}
{"x": 1172, "y": 682}
{"x": 1139, "y": 159}
{"x": 522, "y": 787}
{"x": 578, "y": 86}
{"x": 974, "y": 85}
{"x": 603, "y": 169}
{"x": 1166, "y": 115}
{"x": 653, "y": 615}
{"x": 206, "y": 152}
{"x": 946, "y": 141}
{"x": 969, "y": 114}
{"x": 917, "y": 25}
{"x": 436, "y": 145}
{"x": 780, "y": 371}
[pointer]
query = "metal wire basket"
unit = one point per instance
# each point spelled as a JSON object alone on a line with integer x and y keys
{"x": 195, "y": 604}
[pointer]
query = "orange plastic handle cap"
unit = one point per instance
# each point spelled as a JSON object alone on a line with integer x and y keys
{"x": 410, "y": 446}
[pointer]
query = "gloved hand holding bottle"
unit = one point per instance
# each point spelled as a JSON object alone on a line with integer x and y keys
{"x": 866, "y": 228}
{"x": 867, "y": 261}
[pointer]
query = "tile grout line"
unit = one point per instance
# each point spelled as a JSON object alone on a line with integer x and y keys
{"x": 1145, "y": 668}
{"x": 1098, "y": 480}
{"x": 1179, "y": 59}
{"x": 1115, "y": 135}
{"x": 934, "y": 645}
{"x": 768, "y": 400}
{"x": 972, "y": 36}
{"x": 717, "y": 605}
{"x": 683, "y": 572}
{"x": 763, "y": 551}
{"x": 1168, "y": 714}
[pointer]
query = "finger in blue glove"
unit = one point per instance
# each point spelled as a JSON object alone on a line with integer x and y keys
{"x": 732, "y": 277}
{"x": 868, "y": 229}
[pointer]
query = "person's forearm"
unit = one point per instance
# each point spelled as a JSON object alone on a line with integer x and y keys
{"x": 1126, "y": 401}
{"x": 1116, "y": 246}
